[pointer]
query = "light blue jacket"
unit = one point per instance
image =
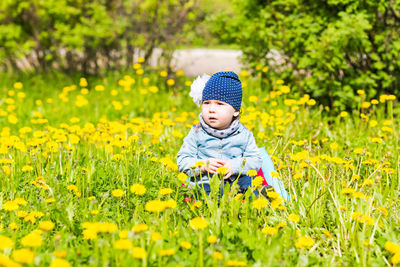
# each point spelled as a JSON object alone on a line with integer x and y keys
{"x": 240, "y": 148}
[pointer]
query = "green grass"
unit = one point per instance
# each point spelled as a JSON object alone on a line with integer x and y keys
{"x": 104, "y": 144}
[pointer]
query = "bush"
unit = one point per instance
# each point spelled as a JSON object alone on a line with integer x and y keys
{"x": 329, "y": 48}
{"x": 90, "y": 35}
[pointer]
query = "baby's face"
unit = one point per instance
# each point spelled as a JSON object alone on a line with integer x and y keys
{"x": 217, "y": 114}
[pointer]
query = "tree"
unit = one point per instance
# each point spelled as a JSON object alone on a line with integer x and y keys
{"x": 329, "y": 48}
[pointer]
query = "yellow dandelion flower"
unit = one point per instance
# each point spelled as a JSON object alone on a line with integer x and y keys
{"x": 167, "y": 252}
{"x": 235, "y": 263}
{"x": 198, "y": 223}
{"x": 185, "y": 245}
{"x": 392, "y": 247}
{"x": 118, "y": 193}
{"x": 22, "y": 214}
{"x": 123, "y": 244}
{"x": 356, "y": 215}
{"x": 222, "y": 170}
{"x": 13, "y": 226}
{"x": 10, "y": 205}
{"x": 268, "y": 230}
{"x": 217, "y": 255}
{"x": 89, "y": 234}
{"x": 32, "y": 240}
{"x": 253, "y": 99}
{"x": 396, "y": 259}
{"x": 260, "y": 203}
{"x": 347, "y": 190}
{"x": 274, "y": 174}
{"x": 297, "y": 175}
{"x": 334, "y": 146}
{"x": 359, "y": 195}
{"x": 72, "y": 187}
{"x": 165, "y": 191}
{"x": 156, "y": 236}
{"x": 60, "y": 253}
{"x": 358, "y": 150}
{"x": 23, "y": 255}
{"x": 83, "y": 82}
{"x": 368, "y": 182}
{"x": 140, "y": 228}
{"x": 366, "y": 244}
{"x": 383, "y": 210}
{"x": 273, "y": 195}
{"x": 367, "y": 220}
{"x": 27, "y": 168}
{"x": 285, "y": 89}
{"x": 200, "y": 163}
{"x": 212, "y": 239}
{"x": 294, "y": 217}
{"x": 365, "y": 104}
{"x": 327, "y": 234}
{"x": 94, "y": 212}
{"x": 170, "y": 203}
{"x": 304, "y": 242}
{"x": 182, "y": 177}
{"x": 123, "y": 234}
{"x": 50, "y": 200}
{"x": 117, "y": 157}
{"x": 373, "y": 123}
{"x": 196, "y": 204}
{"x": 257, "y": 181}
{"x": 138, "y": 189}
{"x": 281, "y": 225}
{"x": 139, "y": 253}
{"x": 170, "y": 82}
{"x": 155, "y": 206}
{"x": 46, "y": 225}
{"x": 18, "y": 85}
{"x": 99, "y": 88}
{"x": 60, "y": 263}
{"x": 251, "y": 173}
{"x": 5, "y": 242}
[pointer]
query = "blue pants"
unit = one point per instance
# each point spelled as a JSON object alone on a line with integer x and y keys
{"x": 244, "y": 183}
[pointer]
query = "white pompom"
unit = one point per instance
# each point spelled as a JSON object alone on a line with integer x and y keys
{"x": 196, "y": 89}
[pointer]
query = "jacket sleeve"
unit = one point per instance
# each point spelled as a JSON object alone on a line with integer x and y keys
{"x": 251, "y": 159}
{"x": 187, "y": 155}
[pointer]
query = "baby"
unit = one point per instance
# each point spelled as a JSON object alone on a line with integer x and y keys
{"x": 219, "y": 140}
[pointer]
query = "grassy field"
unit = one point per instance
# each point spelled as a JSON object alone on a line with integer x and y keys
{"x": 89, "y": 177}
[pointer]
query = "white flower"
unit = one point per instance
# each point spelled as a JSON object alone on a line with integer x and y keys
{"x": 196, "y": 89}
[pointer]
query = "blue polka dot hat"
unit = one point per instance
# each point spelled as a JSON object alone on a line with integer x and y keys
{"x": 226, "y": 87}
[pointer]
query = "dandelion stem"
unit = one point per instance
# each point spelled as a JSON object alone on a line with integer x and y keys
{"x": 201, "y": 248}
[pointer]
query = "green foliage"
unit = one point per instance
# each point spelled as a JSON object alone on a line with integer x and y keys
{"x": 329, "y": 49}
{"x": 89, "y": 36}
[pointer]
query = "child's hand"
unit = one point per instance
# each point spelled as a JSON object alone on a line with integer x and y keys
{"x": 213, "y": 165}
{"x": 229, "y": 171}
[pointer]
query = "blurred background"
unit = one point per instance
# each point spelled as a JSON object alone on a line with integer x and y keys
{"x": 329, "y": 49}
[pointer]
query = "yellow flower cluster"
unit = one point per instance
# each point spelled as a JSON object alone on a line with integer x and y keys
{"x": 304, "y": 242}
{"x": 93, "y": 228}
{"x": 159, "y": 205}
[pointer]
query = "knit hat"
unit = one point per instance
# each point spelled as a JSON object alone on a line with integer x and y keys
{"x": 226, "y": 87}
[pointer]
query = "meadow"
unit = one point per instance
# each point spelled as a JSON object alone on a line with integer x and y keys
{"x": 89, "y": 177}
